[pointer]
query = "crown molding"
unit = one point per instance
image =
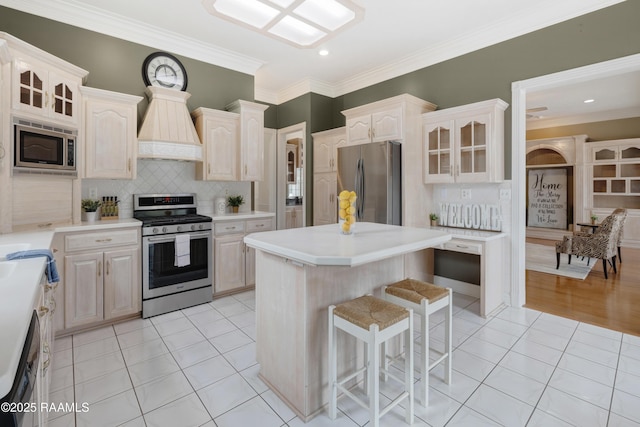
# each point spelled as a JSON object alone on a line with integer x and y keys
{"x": 75, "y": 13}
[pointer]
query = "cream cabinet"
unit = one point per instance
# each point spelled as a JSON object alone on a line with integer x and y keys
{"x": 101, "y": 276}
{"x": 325, "y": 177}
{"x": 293, "y": 216}
{"x": 218, "y": 131}
{"x": 251, "y": 148}
{"x": 612, "y": 180}
{"x": 464, "y": 144}
{"x": 325, "y": 149}
{"x": 325, "y": 188}
{"x": 234, "y": 262}
{"x": 110, "y": 134}
{"x": 42, "y": 85}
{"x": 384, "y": 125}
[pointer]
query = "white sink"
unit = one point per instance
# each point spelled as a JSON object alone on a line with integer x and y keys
{"x": 7, "y": 268}
{"x": 11, "y": 248}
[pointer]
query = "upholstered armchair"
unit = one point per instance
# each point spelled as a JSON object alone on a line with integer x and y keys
{"x": 602, "y": 244}
{"x": 618, "y": 211}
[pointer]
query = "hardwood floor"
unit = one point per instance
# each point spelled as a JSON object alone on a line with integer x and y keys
{"x": 613, "y": 303}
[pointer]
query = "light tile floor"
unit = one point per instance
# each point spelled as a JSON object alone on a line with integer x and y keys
{"x": 197, "y": 367}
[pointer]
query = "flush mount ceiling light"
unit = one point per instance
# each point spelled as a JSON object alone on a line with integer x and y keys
{"x": 302, "y": 23}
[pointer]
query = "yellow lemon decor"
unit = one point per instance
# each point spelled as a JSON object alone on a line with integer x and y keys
{"x": 347, "y": 211}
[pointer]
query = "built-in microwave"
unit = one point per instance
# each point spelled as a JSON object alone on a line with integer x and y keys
{"x": 43, "y": 148}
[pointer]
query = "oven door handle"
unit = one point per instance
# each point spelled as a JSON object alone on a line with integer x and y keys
{"x": 172, "y": 237}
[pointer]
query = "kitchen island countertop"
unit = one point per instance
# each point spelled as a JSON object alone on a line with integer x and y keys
{"x": 324, "y": 245}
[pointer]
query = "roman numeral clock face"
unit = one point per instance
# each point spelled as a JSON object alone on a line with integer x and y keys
{"x": 164, "y": 70}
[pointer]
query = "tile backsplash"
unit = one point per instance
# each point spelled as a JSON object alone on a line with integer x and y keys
{"x": 167, "y": 176}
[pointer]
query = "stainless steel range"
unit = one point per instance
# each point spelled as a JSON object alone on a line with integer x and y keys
{"x": 176, "y": 252}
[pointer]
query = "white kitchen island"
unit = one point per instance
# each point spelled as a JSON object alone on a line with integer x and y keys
{"x": 299, "y": 273}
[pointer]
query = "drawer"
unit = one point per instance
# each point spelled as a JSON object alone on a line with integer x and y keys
{"x": 463, "y": 246}
{"x": 254, "y": 225}
{"x": 102, "y": 239}
{"x": 228, "y": 227}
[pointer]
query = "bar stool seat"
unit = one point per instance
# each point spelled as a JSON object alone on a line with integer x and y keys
{"x": 425, "y": 299}
{"x": 373, "y": 321}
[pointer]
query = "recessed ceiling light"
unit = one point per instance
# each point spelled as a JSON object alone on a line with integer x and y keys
{"x": 302, "y": 23}
{"x": 323, "y": 52}
{"x": 589, "y": 101}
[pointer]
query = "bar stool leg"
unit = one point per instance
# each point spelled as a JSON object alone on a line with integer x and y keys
{"x": 408, "y": 369}
{"x": 333, "y": 361}
{"x": 424, "y": 357}
{"x": 374, "y": 376}
{"x": 448, "y": 338}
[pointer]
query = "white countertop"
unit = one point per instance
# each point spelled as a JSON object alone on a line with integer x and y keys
{"x": 324, "y": 245}
{"x": 470, "y": 234}
{"x": 19, "y": 292}
{"x": 242, "y": 215}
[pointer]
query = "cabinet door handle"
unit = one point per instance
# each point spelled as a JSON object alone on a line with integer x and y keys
{"x": 129, "y": 165}
{"x": 369, "y": 133}
{"x": 108, "y": 264}
{"x": 99, "y": 268}
{"x": 209, "y": 168}
{"x": 46, "y": 99}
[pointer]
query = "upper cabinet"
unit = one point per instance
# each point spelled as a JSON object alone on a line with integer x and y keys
{"x": 233, "y": 142}
{"x": 325, "y": 149}
{"x": 218, "y": 131}
{"x": 464, "y": 144}
{"x": 110, "y": 127}
{"x": 384, "y": 120}
{"x": 251, "y": 156}
{"x": 42, "y": 85}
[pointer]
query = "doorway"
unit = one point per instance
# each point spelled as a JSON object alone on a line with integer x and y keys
{"x": 291, "y": 197}
{"x": 520, "y": 90}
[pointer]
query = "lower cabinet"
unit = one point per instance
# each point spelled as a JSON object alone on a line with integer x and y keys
{"x": 101, "y": 276}
{"x": 234, "y": 262}
{"x": 293, "y": 217}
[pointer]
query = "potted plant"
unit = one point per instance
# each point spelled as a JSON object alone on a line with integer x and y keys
{"x": 90, "y": 209}
{"x": 434, "y": 219}
{"x": 594, "y": 218}
{"x": 235, "y": 202}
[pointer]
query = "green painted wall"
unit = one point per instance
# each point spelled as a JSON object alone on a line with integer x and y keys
{"x": 488, "y": 73}
{"x": 116, "y": 65}
{"x": 596, "y": 131}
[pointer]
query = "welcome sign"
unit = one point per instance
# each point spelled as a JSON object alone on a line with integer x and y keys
{"x": 547, "y": 201}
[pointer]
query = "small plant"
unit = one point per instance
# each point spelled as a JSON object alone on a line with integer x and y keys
{"x": 90, "y": 205}
{"x": 235, "y": 201}
{"x": 594, "y": 218}
{"x": 433, "y": 217}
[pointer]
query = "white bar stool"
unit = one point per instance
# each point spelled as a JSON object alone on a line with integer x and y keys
{"x": 373, "y": 321}
{"x": 425, "y": 299}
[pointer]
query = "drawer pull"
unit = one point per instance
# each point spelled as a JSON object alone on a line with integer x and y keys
{"x": 45, "y": 225}
{"x": 103, "y": 240}
{"x": 462, "y": 246}
{"x": 230, "y": 228}
{"x": 260, "y": 225}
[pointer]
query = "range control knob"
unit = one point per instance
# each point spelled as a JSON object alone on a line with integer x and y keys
{"x": 179, "y": 228}
{"x": 155, "y": 230}
{"x": 165, "y": 229}
{"x": 201, "y": 226}
{"x": 193, "y": 227}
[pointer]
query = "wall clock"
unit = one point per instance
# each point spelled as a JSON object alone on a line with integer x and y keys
{"x": 164, "y": 70}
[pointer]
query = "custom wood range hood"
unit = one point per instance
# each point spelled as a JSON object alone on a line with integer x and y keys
{"x": 167, "y": 131}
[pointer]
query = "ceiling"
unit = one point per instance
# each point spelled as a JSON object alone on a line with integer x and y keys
{"x": 394, "y": 38}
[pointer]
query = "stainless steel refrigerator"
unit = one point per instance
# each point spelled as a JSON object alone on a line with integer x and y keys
{"x": 373, "y": 171}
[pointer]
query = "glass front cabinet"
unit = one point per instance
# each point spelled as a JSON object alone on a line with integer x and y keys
{"x": 464, "y": 144}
